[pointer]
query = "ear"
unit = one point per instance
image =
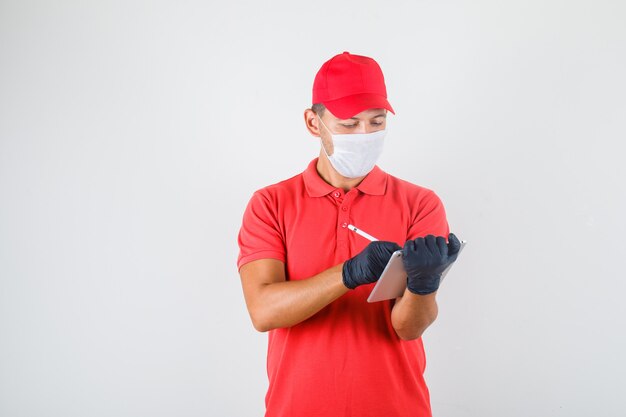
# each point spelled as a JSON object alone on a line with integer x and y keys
{"x": 312, "y": 123}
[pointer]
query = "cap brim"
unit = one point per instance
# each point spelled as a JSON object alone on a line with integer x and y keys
{"x": 347, "y": 107}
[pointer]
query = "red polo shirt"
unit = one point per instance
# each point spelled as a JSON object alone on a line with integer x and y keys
{"x": 346, "y": 360}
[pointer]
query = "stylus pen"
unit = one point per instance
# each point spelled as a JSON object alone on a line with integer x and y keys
{"x": 362, "y": 233}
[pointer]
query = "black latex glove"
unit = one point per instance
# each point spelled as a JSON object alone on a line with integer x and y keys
{"x": 425, "y": 259}
{"x": 367, "y": 266}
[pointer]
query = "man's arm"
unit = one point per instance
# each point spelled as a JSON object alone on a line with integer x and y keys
{"x": 412, "y": 314}
{"x": 424, "y": 259}
{"x": 274, "y": 302}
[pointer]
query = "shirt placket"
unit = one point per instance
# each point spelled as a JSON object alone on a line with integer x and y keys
{"x": 343, "y": 204}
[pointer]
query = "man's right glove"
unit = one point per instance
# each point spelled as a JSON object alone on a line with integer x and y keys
{"x": 425, "y": 259}
{"x": 368, "y": 265}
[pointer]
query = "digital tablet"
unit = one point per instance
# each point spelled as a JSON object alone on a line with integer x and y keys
{"x": 392, "y": 282}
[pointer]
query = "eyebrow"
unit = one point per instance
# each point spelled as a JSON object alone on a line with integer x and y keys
{"x": 373, "y": 117}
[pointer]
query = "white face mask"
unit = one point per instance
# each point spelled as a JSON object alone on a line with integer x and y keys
{"x": 355, "y": 154}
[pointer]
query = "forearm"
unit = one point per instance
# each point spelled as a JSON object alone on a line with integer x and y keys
{"x": 287, "y": 303}
{"x": 412, "y": 314}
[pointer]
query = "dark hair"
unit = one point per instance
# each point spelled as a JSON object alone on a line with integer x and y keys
{"x": 318, "y": 108}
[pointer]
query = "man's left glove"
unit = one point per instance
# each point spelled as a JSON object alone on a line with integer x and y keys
{"x": 425, "y": 259}
{"x": 369, "y": 264}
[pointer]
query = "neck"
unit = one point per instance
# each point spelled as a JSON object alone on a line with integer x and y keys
{"x": 328, "y": 174}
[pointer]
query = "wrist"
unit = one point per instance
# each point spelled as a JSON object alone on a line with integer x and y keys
{"x": 421, "y": 293}
{"x": 423, "y": 285}
{"x": 346, "y": 278}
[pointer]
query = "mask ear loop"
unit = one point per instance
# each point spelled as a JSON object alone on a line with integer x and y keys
{"x": 321, "y": 142}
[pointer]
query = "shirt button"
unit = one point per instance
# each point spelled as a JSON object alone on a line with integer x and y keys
{"x": 344, "y": 225}
{"x": 344, "y": 208}
{"x": 337, "y": 194}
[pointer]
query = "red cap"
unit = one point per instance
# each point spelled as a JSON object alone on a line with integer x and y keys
{"x": 349, "y": 84}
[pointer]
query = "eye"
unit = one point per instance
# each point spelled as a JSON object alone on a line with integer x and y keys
{"x": 349, "y": 125}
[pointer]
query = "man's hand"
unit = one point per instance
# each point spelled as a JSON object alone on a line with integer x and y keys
{"x": 367, "y": 266}
{"x": 425, "y": 259}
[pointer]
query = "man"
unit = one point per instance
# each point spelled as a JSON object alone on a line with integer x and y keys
{"x": 306, "y": 276}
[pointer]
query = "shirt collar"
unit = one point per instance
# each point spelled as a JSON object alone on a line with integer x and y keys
{"x": 375, "y": 183}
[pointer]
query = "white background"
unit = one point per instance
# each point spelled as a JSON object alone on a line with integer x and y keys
{"x": 132, "y": 135}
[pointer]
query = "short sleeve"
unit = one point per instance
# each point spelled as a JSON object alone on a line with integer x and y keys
{"x": 260, "y": 235}
{"x": 430, "y": 218}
